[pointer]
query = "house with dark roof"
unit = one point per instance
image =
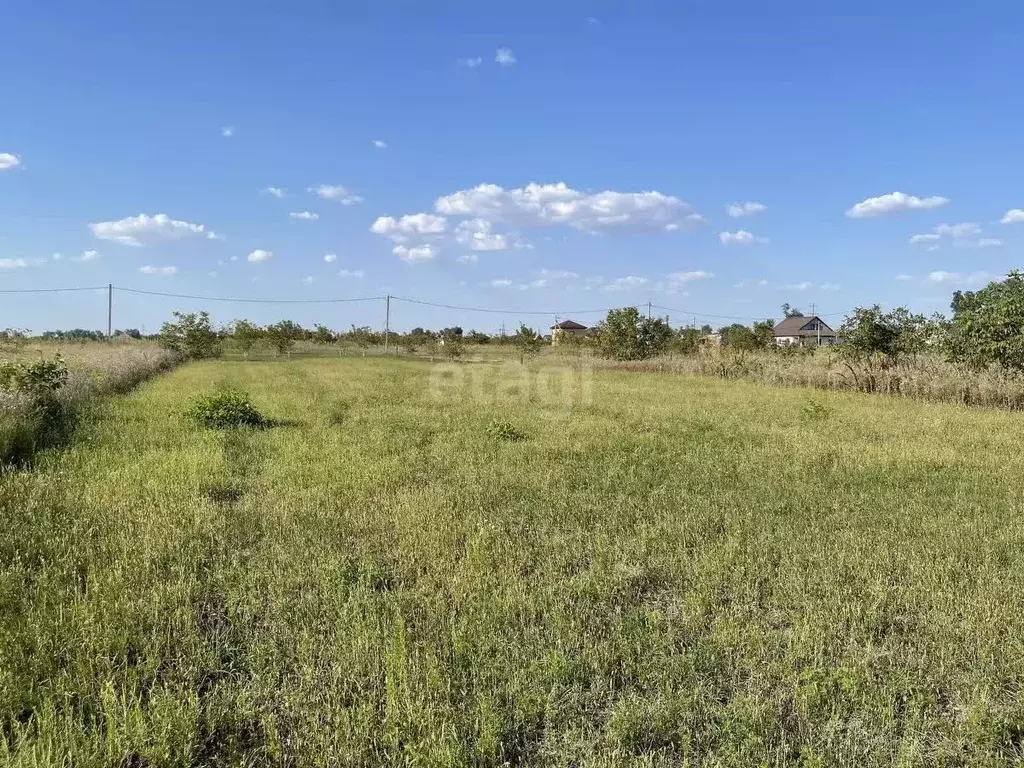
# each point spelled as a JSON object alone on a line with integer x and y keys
{"x": 567, "y": 328}
{"x": 804, "y": 332}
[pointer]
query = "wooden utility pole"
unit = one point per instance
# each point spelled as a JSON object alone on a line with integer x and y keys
{"x": 110, "y": 310}
{"x": 387, "y": 321}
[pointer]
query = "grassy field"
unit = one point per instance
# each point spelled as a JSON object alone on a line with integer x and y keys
{"x": 672, "y": 571}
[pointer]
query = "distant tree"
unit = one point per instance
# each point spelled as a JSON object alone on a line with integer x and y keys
{"x": 788, "y": 311}
{"x": 686, "y": 341}
{"x": 283, "y": 334}
{"x": 477, "y": 337}
{"x": 323, "y": 335}
{"x": 191, "y": 335}
{"x": 988, "y": 325}
{"x": 245, "y": 334}
{"x": 738, "y": 338}
{"x": 361, "y": 335}
{"x": 131, "y": 333}
{"x": 527, "y": 340}
{"x": 626, "y": 335}
{"x": 706, "y": 330}
{"x": 455, "y": 331}
{"x": 764, "y": 334}
{"x": 451, "y": 342}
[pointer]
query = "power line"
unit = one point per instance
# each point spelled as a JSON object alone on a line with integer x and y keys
{"x": 561, "y": 312}
{"x": 249, "y": 301}
{"x": 52, "y": 290}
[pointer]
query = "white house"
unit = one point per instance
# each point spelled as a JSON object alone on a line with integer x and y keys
{"x": 804, "y": 332}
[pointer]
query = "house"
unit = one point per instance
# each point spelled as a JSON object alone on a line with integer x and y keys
{"x": 804, "y": 332}
{"x": 567, "y": 328}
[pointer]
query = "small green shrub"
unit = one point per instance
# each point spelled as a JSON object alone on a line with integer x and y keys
{"x": 815, "y": 411}
{"x": 38, "y": 381}
{"x": 503, "y": 430}
{"x": 224, "y": 410}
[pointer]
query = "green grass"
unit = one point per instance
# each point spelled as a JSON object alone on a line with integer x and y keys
{"x": 681, "y": 571}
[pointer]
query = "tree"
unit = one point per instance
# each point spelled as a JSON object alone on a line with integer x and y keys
{"x": 191, "y": 336}
{"x": 245, "y": 334}
{"x": 788, "y": 311}
{"x": 361, "y": 335}
{"x": 625, "y": 335}
{"x": 455, "y": 330}
{"x": 706, "y": 330}
{"x": 451, "y": 342}
{"x": 283, "y": 334}
{"x": 323, "y": 335}
{"x": 988, "y": 325}
{"x": 764, "y": 334}
{"x": 527, "y": 340}
{"x": 686, "y": 341}
{"x": 478, "y": 337}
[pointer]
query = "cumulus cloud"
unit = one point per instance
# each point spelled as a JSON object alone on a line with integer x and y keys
{"x": 959, "y": 278}
{"x": 926, "y": 238}
{"x": 541, "y": 205}
{"x": 355, "y": 274}
{"x": 894, "y": 201}
{"x": 989, "y": 242}
{"x": 962, "y": 235}
{"x": 411, "y": 224}
{"x": 330, "y": 257}
{"x": 1012, "y": 216}
{"x": 380, "y": 144}
{"x": 336, "y": 193}
{"x": 260, "y": 255}
{"x": 304, "y": 215}
{"x": 736, "y": 210}
{"x": 625, "y": 283}
{"x": 478, "y": 235}
{"x": 8, "y": 161}
{"x": 965, "y": 229}
{"x": 415, "y": 254}
{"x": 13, "y": 263}
{"x": 277, "y": 192}
{"x": 86, "y": 256}
{"x": 145, "y": 230}
{"x": 505, "y": 57}
{"x": 227, "y": 131}
{"x": 742, "y": 237}
{"x": 163, "y": 271}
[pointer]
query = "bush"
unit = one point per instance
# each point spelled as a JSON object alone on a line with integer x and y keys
{"x": 224, "y": 410}
{"x": 503, "y": 430}
{"x": 191, "y": 336}
{"x": 626, "y": 335}
{"x": 38, "y": 381}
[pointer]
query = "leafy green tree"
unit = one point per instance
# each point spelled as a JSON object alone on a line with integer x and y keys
{"x": 191, "y": 336}
{"x": 788, "y": 311}
{"x": 764, "y": 334}
{"x": 477, "y": 337}
{"x": 282, "y": 335}
{"x": 361, "y": 335}
{"x": 891, "y": 336}
{"x": 988, "y": 325}
{"x": 527, "y": 340}
{"x": 706, "y": 330}
{"x": 451, "y": 342}
{"x": 245, "y": 334}
{"x": 323, "y": 335}
{"x": 626, "y": 335}
{"x": 686, "y": 341}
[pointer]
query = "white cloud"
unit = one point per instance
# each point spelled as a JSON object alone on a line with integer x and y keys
{"x": 686, "y": 277}
{"x": 227, "y": 131}
{"x": 800, "y": 286}
{"x": 330, "y": 257}
{"x": 336, "y": 193}
{"x": 539, "y": 283}
{"x": 144, "y": 230}
{"x": 56, "y": 257}
{"x": 964, "y": 229}
{"x": 751, "y": 283}
{"x": 829, "y": 286}
{"x": 211, "y": 235}
{"x": 411, "y": 224}
{"x": 467, "y": 258}
{"x": 501, "y": 283}
{"x": 989, "y": 242}
{"x": 13, "y": 263}
{"x": 8, "y": 161}
{"x": 505, "y": 57}
{"x": 380, "y": 144}
{"x": 478, "y": 235}
{"x": 418, "y": 253}
{"x": 164, "y": 271}
{"x": 744, "y": 209}
{"x": 742, "y": 237}
{"x": 556, "y": 274}
{"x": 625, "y": 283}
{"x": 355, "y": 274}
{"x": 304, "y": 215}
{"x": 259, "y": 255}
{"x": 541, "y": 205}
{"x": 959, "y": 278}
{"x": 927, "y": 238}
{"x": 1012, "y": 216}
{"x": 277, "y": 192}
{"x": 308, "y": 280}
{"x": 894, "y": 201}
{"x": 904, "y": 278}
{"x": 86, "y": 256}
{"x": 471, "y": 63}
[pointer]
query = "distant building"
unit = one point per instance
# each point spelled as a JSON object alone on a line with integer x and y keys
{"x": 567, "y": 328}
{"x": 804, "y": 332}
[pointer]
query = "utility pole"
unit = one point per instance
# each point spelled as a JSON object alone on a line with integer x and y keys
{"x": 387, "y": 321}
{"x": 648, "y": 310}
{"x": 110, "y": 311}
{"x": 817, "y": 320}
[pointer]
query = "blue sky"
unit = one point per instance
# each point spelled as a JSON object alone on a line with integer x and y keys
{"x": 587, "y": 165}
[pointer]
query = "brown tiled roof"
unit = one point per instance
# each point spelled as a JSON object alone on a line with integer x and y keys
{"x": 797, "y": 326}
{"x": 568, "y": 325}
